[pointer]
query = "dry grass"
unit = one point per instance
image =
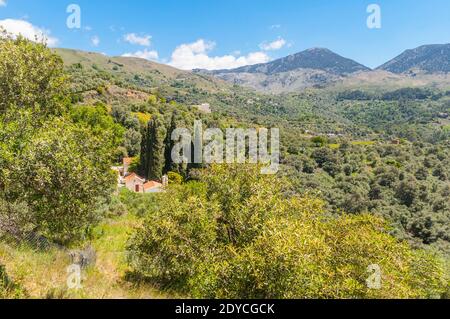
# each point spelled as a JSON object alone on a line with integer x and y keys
{"x": 44, "y": 274}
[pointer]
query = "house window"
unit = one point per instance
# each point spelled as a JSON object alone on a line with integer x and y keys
{"x": 136, "y": 188}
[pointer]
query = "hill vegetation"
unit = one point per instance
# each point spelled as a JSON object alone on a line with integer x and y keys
{"x": 250, "y": 239}
{"x": 364, "y": 181}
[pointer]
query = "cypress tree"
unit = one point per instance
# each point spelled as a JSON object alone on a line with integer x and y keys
{"x": 143, "y": 167}
{"x": 170, "y": 166}
{"x": 154, "y": 149}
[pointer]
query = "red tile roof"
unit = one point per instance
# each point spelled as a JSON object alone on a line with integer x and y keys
{"x": 132, "y": 176}
{"x": 152, "y": 184}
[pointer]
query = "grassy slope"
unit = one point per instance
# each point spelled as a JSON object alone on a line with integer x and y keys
{"x": 127, "y": 68}
{"x": 44, "y": 274}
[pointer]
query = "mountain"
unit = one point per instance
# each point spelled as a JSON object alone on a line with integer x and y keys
{"x": 132, "y": 78}
{"x": 433, "y": 58}
{"x": 315, "y": 67}
{"x": 315, "y": 59}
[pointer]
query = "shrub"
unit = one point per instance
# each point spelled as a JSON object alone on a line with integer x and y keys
{"x": 139, "y": 204}
{"x": 15, "y": 219}
{"x": 54, "y": 174}
{"x": 173, "y": 240}
{"x": 31, "y": 77}
{"x": 175, "y": 178}
{"x": 64, "y": 175}
{"x": 319, "y": 141}
{"x": 242, "y": 236}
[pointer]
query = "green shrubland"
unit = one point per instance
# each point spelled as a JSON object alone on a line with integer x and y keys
{"x": 245, "y": 236}
{"x": 364, "y": 183}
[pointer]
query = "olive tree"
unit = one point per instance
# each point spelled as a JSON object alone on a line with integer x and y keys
{"x": 63, "y": 174}
{"x": 31, "y": 77}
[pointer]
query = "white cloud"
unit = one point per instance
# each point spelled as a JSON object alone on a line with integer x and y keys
{"x": 95, "y": 40}
{"x": 195, "y": 56}
{"x": 139, "y": 40}
{"x": 27, "y": 30}
{"x": 145, "y": 54}
{"x": 275, "y": 26}
{"x": 2, "y": 3}
{"x": 275, "y": 45}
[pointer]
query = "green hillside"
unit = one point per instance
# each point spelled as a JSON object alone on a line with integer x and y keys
{"x": 364, "y": 182}
{"x": 91, "y": 69}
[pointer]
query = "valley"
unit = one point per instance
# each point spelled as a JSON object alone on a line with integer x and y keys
{"x": 364, "y": 177}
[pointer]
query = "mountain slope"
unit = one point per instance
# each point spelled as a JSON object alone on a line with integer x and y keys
{"x": 311, "y": 68}
{"x": 133, "y": 75}
{"x": 315, "y": 59}
{"x": 132, "y": 78}
{"x": 433, "y": 58}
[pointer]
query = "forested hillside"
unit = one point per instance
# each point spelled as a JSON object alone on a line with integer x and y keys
{"x": 365, "y": 180}
{"x": 385, "y": 153}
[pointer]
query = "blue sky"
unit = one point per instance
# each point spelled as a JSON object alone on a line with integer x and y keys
{"x": 229, "y": 33}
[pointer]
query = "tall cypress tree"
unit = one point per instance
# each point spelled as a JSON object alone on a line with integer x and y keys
{"x": 170, "y": 166}
{"x": 154, "y": 149}
{"x": 143, "y": 167}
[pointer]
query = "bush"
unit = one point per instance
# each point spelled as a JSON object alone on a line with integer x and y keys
{"x": 54, "y": 174}
{"x": 175, "y": 178}
{"x": 64, "y": 175}
{"x": 15, "y": 219}
{"x": 289, "y": 261}
{"x": 241, "y": 236}
{"x": 173, "y": 239}
{"x": 319, "y": 141}
{"x": 31, "y": 77}
{"x": 139, "y": 204}
{"x": 116, "y": 207}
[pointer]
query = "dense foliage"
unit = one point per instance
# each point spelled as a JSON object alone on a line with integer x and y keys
{"x": 31, "y": 78}
{"x": 251, "y": 238}
{"x": 365, "y": 179}
{"x": 407, "y": 184}
{"x": 55, "y": 164}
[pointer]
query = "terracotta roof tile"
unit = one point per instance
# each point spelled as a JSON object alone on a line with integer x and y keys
{"x": 133, "y": 175}
{"x": 152, "y": 184}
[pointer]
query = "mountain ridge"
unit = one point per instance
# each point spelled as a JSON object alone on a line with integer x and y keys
{"x": 314, "y": 58}
{"x": 312, "y": 68}
{"x": 320, "y": 68}
{"x": 430, "y": 58}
